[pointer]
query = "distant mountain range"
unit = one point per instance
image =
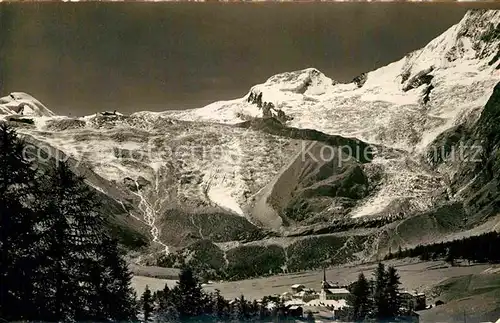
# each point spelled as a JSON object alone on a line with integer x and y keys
{"x": 303, "y": 171}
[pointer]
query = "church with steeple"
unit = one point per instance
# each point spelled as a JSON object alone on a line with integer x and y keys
{"x": 331, "y": 291}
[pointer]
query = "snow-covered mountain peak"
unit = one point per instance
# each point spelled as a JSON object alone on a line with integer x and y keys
{"x": 475, "y": 37}
{"x": 20, "y": 103}
{"x": 309, "y": 81}
{"x": 403, "y": 105}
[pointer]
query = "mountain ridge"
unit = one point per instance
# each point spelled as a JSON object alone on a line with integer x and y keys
{"x": 459, "y": 55}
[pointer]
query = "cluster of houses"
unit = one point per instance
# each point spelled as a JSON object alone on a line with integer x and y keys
{"x": 332, "y": 298}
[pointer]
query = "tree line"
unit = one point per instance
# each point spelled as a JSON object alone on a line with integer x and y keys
{"x": 57, "y": 260}
{"x": 188, "y": 302}
{"x": 482, "y": 248}
{"x": 377, "y": 299}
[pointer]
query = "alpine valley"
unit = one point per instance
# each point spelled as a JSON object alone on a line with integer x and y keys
{"x": 303, "y": 171}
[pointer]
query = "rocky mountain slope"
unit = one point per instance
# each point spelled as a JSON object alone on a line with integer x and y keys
{"x": 404, "y": 105}
{"x": 302, "y": 171}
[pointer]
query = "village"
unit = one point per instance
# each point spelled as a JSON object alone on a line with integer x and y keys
{"x": 331, "y": 302}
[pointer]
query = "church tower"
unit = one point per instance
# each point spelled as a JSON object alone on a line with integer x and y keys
{"x": 324, "y": 283}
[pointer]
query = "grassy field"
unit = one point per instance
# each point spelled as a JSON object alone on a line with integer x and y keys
{"x": 470, "y": 298}
{"x": 140, "y": 282}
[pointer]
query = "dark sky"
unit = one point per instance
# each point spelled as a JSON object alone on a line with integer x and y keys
{"x": 87, "y": 57}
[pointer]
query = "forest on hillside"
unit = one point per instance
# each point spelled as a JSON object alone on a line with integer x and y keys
{"x": 479, "y": 249}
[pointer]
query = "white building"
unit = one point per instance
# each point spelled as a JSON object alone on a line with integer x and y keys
{"x": 305, "y": 295}
{"x": 335, "y": 293}
{"x": 297, "y": 288}
{"x": 330, "y": 291}
{"x": 413, "y": 301}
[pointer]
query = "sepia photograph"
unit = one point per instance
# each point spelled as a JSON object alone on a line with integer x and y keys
{"x": 251, "y": 161}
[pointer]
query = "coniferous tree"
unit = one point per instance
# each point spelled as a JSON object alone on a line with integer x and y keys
{"x": 254, "y": 308}
{"x": 220, "y": 306}
{"x": 112, "y": 280}
{"x": 359, "y": 299}
{"x": 393, "y": 295}
{"x": 147, "y": 304}
{"x": 166, "y": 310}
{"x": 86, "y": 276}
{"x": 380, "y": 298}
{"x": 242, "y": 309}
{"x": 163, "y": 299}
{"x": 451, "y": 255}
{"x": 18, "y": 237}
{"x": 188, "y": 296}
{"x": 56, "y": 262}
{"x": 263, "y": 311}
{"x": 73, "y": 234}
{"x": 61, "y": 283}
{"x": 207, "y": 303}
